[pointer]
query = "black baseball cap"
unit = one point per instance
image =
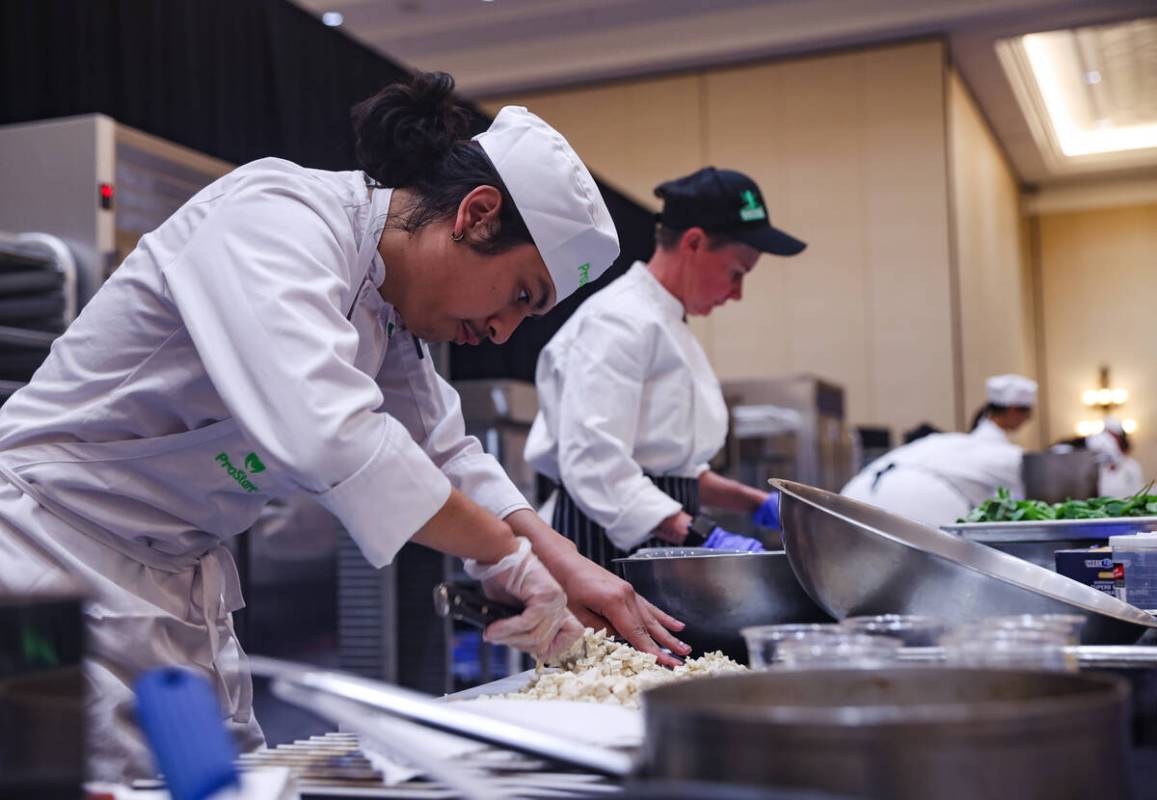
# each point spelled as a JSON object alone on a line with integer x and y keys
{"x": 725, "y": 203}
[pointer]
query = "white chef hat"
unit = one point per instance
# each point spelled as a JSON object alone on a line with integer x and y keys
{"x": 1011, "y": 390}
{"x": 556, "y": 196}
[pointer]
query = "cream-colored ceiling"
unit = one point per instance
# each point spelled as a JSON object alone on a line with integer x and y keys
{"x": 502, "y": 46}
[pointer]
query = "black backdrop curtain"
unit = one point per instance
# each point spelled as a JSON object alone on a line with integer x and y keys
{"x": 239, "y": 80}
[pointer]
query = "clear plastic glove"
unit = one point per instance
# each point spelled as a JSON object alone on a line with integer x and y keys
{"x": 767, "y": 515}
{"x": 545, "y": 627}
{"x": 720, "y": 539}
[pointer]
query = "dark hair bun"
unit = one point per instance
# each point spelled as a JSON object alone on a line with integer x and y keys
{"x": 404, "y": 131}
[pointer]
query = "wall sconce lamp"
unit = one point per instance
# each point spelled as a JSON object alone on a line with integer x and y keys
{"x": 1106, "y": 399}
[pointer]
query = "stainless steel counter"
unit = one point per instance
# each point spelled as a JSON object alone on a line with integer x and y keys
{"x": 510, "y": 774}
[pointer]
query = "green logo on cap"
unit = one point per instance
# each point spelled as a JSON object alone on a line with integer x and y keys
{"x": 751, "y": 210}
{"x": 253, "y": 463}
{"x": 584, "y": 274}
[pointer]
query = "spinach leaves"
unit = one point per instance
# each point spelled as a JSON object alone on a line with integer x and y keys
{"x": 1003, "y": 508}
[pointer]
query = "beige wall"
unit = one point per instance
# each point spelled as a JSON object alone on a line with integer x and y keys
{"x": 635, "y": 135}
{"x": 850, "y": 151}
{"x": 994, "y": 271}
{"x": 1099, "y": 280}
{"x": 880, "y": 159}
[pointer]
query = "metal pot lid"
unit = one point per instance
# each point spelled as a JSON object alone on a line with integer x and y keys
{"x": 898, "y": 695}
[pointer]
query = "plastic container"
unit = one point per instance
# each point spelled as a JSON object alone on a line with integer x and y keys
{"x": 763, "y": 640}
{"x": 843, "y": 651}
{"x": 911, "y": 629}
{"x": 986, "y": 646}
{"x": 1069, "y": 625}
{"x": 1138, "y": 555}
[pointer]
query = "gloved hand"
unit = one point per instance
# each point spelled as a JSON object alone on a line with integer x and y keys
{"x": 767, "y": 515}
{"x": 545, "y": 627}
{"x": 720, "y": 539}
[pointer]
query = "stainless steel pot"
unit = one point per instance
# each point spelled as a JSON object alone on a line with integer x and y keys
{"x": 1057, "y": 477}
{"x": 902, "y": 733}
{"x": 854, "y": 559}
{"x": 717, "y": 594}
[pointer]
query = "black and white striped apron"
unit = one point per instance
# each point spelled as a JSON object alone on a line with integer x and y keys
{"x": 591, "y": 538}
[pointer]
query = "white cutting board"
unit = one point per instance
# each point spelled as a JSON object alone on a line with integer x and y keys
{"x": 590, "y": 723}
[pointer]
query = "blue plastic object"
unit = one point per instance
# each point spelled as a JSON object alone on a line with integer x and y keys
{"x": 767, "y": 515}
{"x": 178, "y": 711}
{"x": 720, "y": 539}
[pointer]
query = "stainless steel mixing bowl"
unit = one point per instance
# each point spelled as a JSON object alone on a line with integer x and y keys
{"x": 716, "y": 594}
{"x": 854, "y": 559}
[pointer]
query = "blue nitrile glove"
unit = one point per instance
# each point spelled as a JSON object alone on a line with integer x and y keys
{"x": 726, "y": 540}
{"x": 767, "y": 515}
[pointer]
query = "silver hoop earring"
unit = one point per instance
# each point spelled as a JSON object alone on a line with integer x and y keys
{"x": 457, "y": 237}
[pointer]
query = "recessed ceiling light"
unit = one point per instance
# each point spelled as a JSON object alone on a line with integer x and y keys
{"x": 1068, "y": 117}
{"x": 332, "y": 18}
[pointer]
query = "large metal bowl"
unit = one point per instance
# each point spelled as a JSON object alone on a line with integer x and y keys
{"x": 855, "y": 559}
{"x": 716, "y": 594}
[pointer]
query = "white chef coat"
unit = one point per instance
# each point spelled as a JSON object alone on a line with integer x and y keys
{"x": 241, "y": 352}
{"x": 940, "y": 478}
{"x": 624, "y": 389}
{"x": 988, "y": 431}
{"x": 1121, "y": 478}
{"x": 1120, "y": 475}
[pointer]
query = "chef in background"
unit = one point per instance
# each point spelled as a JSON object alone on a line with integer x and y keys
{"x": 939, "y": 478}
{"x": 630, "y": 411}
{"x": 1119, "y": 474}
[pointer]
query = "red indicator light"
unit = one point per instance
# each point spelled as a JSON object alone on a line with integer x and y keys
{"x": 106, "y": 195}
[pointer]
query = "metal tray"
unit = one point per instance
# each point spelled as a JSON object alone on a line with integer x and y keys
{"x": 1047, "y": 530}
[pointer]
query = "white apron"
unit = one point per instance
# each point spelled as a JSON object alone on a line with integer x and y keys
{"x": 162, "y": 590}
{"x": 141, "y": 614}
{"x": 132, "y": 519}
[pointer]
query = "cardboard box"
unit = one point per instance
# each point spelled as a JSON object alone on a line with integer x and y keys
{"x": 1093, "y": 567}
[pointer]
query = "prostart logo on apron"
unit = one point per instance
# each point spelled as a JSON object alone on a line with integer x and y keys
{"x": 252, "y": 463}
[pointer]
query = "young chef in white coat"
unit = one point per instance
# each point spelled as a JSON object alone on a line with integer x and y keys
{"x": 1119, "y": 474}
{"x": 630, "y": 410}
{"x": 267, "y": 340}
{"x": 941, "y": 477}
